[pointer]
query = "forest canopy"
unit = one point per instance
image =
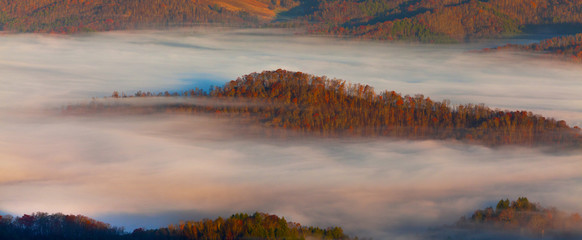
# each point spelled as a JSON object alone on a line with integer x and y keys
{"x": 72, "y": 16}
{"x": 329, "y": 107}
{"x": 418, "y": 20}
{"x": 442, "y": 20}
{"x": 238, "y": 226}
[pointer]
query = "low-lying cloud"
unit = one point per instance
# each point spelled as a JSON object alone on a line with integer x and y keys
{"x": 146, "y": 168}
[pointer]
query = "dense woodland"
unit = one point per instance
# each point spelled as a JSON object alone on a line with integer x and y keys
{"x": 328, "y": 107}
{"x": 70, "y": 16}
{"x": 565, "y": 47}
{"x": 525, "y": 218}
{"x": 416, "y": 20}
{"x": 239, "y": 226}
{"x": 440, "y": 20}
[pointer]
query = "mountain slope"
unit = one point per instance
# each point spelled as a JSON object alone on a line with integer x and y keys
{"x": 100, "y": 15}
{"x": 443, "y": 20}
{"x": 413, "y": 20}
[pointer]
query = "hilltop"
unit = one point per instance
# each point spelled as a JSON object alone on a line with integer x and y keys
{"x": 565, "y": 47}
{"x": 327, "y": 107}
{"x": 518, "y": 219}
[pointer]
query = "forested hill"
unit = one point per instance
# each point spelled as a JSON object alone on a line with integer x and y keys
{"x": 322, "y": 106}
{"x": 441, "y": 20}
{"x": 43, "y": 226}
{"x": 518, "y": 219}
{"x": 416, "y": 20}
{"x": 69, "y": 16}
{"x": 564, "y": 47}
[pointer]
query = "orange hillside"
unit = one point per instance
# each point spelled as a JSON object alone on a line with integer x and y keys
{"x": 255, "y": 7}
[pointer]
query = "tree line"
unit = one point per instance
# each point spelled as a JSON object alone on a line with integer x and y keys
{"x": 238, "y": 226}
{"x": 321, "y": 106}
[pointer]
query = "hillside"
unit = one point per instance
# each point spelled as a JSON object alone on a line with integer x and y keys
{"x": 69, "y": 16}
{"x": 239, "y": 226}
{"x": 322, "y": 106}
{"x": 444, "y": 20}
{"x": 565, "y": 47}
{"x": 264, "y": 9}
{"x": 519, "y": 219}
{"x": 412, "y": 20}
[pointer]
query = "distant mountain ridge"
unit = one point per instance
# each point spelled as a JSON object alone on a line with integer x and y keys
{"x": 70, "y": 16}
{"x": 442, "y": 20}
{"x": 412, "y": 20}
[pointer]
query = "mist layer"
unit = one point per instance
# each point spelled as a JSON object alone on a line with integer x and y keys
{"x": 157, "y": 169}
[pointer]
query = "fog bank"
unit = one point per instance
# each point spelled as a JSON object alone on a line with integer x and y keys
{"x": 158, "y": 169}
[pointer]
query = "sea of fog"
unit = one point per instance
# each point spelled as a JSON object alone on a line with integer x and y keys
{"x": 151, "y": 171}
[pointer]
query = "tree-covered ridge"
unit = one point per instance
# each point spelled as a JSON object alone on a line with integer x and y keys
{"x": 523, "y": 216}
{"x": 432, "y": 20}
{"x": 322, "y": 106}
{"x": 69, "y": 16}
{"x": 567, "y": 47}
{"x": 239, "y": 226}
{"x": 415, "y": 20}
